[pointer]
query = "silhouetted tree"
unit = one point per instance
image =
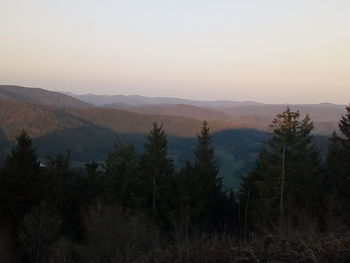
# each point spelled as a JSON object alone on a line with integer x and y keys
{"x": 207, "y": 190}
{"x": 121, "y": 170}
{"x": 338, "y": 177}
{"x": 156, "y": 172}
{"x": 20, "y": 184}
{"x": 285, "y": 184}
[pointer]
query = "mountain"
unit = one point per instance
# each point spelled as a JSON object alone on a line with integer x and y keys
{"x": 180, "y": 110}
{"x": 244, "y": 114}
{"x": 37, "y": 119}
{"x": 128, "y": 122}
{"x": 318, "y": 112}
{"x": 89, "y": 132}
{"x": 40, "y": 120}
{"x": 40, "y": 96}
{"x": 100, "y": 100}
{"x": 324, "y": 116}
{"x": 178, "y": 119}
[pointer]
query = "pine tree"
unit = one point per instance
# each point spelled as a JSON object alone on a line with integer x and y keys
{"x": 249, "y": 191}
{"x": 338, "y": 177}
{"x": 285, "y": 184}
{"x": 156, "y": 175}
{"x": 204, "y": 156}
{"x": 205, "y": 180}
{"x": 121, "y": 170}
{"x": 20, "y": 184}
{"x": 184, "y": 201}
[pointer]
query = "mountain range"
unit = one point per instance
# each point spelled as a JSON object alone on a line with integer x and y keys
{"x": 247, "y": 114}
{"x": 88, "y": 125}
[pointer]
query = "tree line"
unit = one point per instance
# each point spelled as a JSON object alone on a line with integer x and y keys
{"x": 132, "y": 205}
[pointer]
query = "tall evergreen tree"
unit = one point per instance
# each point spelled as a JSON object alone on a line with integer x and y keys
{"x": 205, "y": 180}
{"x": 121, "y": 170}
{"x": 20, "y": 184}
{"x": 285, "y": 183}
{"x": 338, "y": 177}
{"x": 156, "y": 173}
{"x": 185, "y": 204}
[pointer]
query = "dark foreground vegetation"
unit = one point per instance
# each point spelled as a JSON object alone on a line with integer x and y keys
{"x": 293, "y": 207}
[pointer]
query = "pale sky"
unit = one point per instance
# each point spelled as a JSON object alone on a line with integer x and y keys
{"x": 274, "y": 51}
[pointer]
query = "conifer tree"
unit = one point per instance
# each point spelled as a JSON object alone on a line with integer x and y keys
{"x": 338, "y": 177}
{"x": 20, "y": 185}
{"x": 121, "y": 171}
{"x": 285, "y": 183}
{"x": 205, "y": 180}
{"x": 156, "y": 175}
{"x": 249, "y": 191}
{"x": 185, "y": 203}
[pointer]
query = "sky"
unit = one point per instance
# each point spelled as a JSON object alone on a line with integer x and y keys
{"x": 272, "y": 51}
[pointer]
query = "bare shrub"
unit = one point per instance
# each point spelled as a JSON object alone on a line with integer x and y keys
{"x": 270, "y": 248}
{"x": 39, "y": 229}
{"x": 62, "y": 251}
{"x": 116, "y": 236}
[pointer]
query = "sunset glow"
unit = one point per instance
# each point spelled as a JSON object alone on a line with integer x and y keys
{"x": 267, "y": 51}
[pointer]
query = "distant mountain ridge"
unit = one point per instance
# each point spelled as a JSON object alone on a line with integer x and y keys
{"x": 41, "y": 96}
{"x": 100, "y": 100}
{"x": 88, "y": 133}
{"x": 246, "y": 114}
{"x": 59, "y": 123}
{"x": 42, "y": 112}
{"x": 137, "y": 100}
{"x": 180, "y": 110}
{"x": 221, "y": 114}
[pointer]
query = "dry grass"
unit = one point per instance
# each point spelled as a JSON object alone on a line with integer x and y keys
{"x": 266, "y": 249}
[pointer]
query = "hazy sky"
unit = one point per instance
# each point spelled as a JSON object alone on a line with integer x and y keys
{"x": 295, "y": 51}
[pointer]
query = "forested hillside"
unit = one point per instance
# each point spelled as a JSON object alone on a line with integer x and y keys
{"x": 247, "y": 114}
{"x": 40, "y": 96}
{"x": 88, "y": 132}
{"x": 38, "y": 120}
{"x": 140, "y": 207}
{"x": 198, "y": 113}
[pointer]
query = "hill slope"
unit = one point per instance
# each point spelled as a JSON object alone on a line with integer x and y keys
{"x": 129, "y": 122}
{"x": 89, "y": 133}
{"x": 317, "y": 112}
{"x": 38, "y": 120}
{"x": 180, "y": 110}
{"x": 100, "y": 100}
{"x": 40, "y": 96}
